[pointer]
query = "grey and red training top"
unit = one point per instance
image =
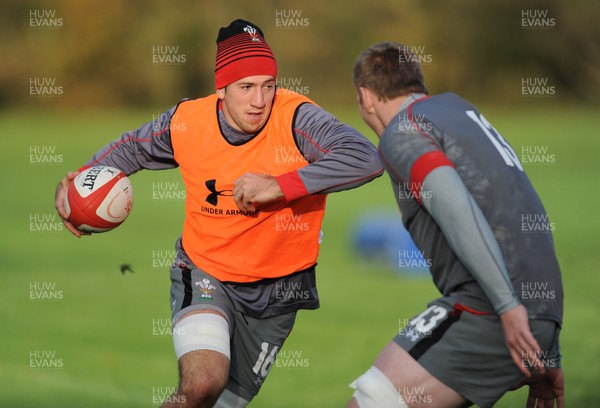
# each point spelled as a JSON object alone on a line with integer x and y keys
{"x": 340, "y": 158}
{"x": 471, "y": 209}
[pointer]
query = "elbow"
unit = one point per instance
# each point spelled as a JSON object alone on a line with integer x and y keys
{"x": 377, "y": 172}
{"x": 375, "y": 167}
{"x": 371, "y": 173}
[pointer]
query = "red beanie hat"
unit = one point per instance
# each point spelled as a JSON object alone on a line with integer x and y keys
{"x": 241, "y": 52}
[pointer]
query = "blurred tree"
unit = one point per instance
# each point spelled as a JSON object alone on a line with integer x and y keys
{"x": 105, "y": 54}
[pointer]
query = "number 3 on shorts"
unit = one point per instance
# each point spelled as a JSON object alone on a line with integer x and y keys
{"x": 428, "y": 319}
{"x": 264, "y": 363}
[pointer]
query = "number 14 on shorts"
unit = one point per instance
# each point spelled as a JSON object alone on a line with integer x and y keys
{"x": 264, "y": 362}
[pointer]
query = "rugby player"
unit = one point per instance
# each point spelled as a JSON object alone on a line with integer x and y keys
{"x": 257, "y": 163}
{"x": 463, "y": 196}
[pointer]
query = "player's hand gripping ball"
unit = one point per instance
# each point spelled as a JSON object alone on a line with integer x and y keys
{"x": 99, "y": 199}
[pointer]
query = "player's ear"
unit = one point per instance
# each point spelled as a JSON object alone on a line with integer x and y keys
{"x": 221, "y": 93}
{"x": 366, "y": 98}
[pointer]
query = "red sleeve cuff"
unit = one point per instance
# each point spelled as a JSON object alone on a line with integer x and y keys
{"x": 292, "y": 186}
{"x": 423, "y": 166}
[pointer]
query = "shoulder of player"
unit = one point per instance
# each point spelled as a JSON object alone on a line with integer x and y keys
{"x": 309, "y": 114}
{"x": 446, "y": 99}
{"x": 423, "y": 116}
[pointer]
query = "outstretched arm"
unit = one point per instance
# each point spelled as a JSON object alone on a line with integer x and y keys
{"x": 339, "y": 157}
{"x": 148, "y": 147}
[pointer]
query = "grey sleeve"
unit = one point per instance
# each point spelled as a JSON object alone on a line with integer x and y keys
{"x": 469, "y": 235}
{"x": 148, "y": 147}
{"x": 340, "y": 157}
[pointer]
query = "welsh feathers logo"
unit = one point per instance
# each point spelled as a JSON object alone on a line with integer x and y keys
{"x": 205, "y": 288}
{"x": 253, "y": 33}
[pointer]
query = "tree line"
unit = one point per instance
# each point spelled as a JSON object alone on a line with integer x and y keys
{"x": 98, "y": 53}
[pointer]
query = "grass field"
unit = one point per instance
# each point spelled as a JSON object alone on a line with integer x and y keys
{"x": 98, "y": 338}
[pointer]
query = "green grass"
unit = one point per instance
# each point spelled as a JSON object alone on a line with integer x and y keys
{"x": 101, "y": 330}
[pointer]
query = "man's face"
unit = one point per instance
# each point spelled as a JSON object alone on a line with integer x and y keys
{"x": 247, "y": 103}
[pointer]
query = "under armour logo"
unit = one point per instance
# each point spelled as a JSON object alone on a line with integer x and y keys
{"x": 213, "y": 197}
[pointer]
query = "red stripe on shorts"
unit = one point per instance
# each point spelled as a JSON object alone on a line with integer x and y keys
{"x": 463, "y": 308}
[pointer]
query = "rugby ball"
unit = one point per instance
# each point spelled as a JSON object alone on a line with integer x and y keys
{"x": 99, "y": 199}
